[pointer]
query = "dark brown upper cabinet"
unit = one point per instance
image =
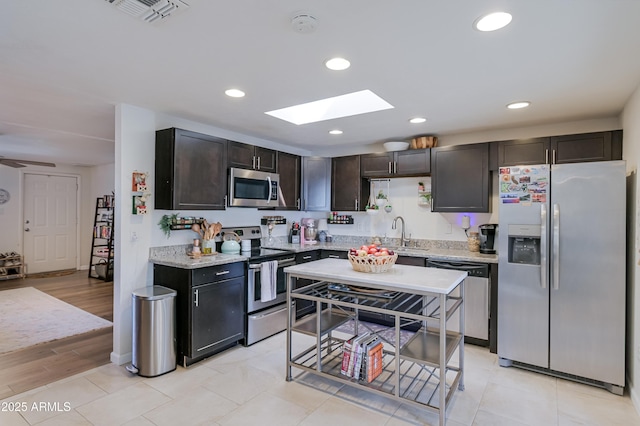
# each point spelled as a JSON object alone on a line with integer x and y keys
{"x": 190, "y": 172}
{"x": 349, "y": 191}
{"x": 460, "y": 178}
{"x": 289, "y": 166}
{"x": 415, "y": 162}
{"x": 599, "y": 146}
{"x": 316, "y": 184}
{"x": 247, "y": 156}
{"x": 523, "y": 152}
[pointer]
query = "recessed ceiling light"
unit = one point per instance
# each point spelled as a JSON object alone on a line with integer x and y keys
{"x": 326, "y": 109}
{"x": 234, "y": 93}
{"x": 335, "y": 132}
{"x": 337, "y": 64}
{"x": 492, "y": 21}
{"x": 417, "y": 120}
{"x": 518, "y": 105}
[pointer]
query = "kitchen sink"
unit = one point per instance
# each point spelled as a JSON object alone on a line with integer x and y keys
{"x": 409, "y": 250}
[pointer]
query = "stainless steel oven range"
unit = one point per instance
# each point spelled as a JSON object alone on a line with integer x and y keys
{"x": 265, "y": 316}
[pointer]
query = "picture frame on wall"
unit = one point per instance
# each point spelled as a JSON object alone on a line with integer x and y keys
{"x": 139, "y": 182}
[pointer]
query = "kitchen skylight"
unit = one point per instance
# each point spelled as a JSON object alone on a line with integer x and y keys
{"x": 347, "y": 105}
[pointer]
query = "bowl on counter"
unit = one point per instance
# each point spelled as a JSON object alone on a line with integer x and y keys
{"x": 396, "y": 145}
{"x": 374, "y": 264}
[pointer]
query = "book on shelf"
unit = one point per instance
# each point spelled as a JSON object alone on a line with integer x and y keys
{"x": 346, "y": 356}
{"x": 362, "y": 357}
{"x": 360, "y": 365}
{"x": 355, "y": 351}
{"x": 374, "y": 362}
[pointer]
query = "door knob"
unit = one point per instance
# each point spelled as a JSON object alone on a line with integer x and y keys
{"x": 26, "y": 229}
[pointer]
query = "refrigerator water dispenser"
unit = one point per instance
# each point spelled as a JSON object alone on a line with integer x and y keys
{"x": 524, "y": 244}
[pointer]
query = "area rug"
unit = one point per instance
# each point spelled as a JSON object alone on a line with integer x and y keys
{"x": 29, "y": 317}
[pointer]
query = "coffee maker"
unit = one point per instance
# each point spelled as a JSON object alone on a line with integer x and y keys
{"x": 487, "y": 237}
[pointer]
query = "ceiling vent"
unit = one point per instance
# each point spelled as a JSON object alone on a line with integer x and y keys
{"x": 150, "y": 10}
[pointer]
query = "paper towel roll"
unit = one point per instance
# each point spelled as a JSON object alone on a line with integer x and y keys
{"x": 466, "y": 222}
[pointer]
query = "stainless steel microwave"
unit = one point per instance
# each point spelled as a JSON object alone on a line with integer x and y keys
{"x": 251, "y": 188}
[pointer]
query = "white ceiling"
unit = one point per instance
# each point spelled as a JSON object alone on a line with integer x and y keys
{"x": 66, "y": 64}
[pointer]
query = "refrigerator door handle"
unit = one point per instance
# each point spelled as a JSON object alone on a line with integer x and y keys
{"x": 556, "y": 246}
{"x": 544, "y": 267}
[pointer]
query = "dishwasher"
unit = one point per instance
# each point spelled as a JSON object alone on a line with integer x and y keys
{"x": 477, "y": 298}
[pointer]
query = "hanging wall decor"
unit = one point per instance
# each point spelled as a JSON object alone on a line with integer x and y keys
{"x": 139, "y": 186}
{"x": 139, "y": 182}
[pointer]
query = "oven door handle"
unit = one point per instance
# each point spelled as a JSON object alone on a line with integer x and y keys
{"x": 281, "y": 263}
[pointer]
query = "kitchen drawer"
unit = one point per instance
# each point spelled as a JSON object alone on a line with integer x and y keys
{"x": 334, "y": 254}
{"x": 307, "y": 256}
{"x": 217, "y": 273}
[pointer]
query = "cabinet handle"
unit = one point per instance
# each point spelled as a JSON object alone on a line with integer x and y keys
{"x": 223, "y": 272}
{"x": 258, "y": 162}
{"x": 306, "y": 257}
{"x": 389, "y": 167}
{"x": 253, "y": 162}
{"x": 298, "y": 204}
{"x": 197, "y": 298}
{"x": 334, "y": 256}
{"x": 395, "y": 167}
{"x": 357, "y": 209}
{"x": 546, "y": 156}
{"x": 554, "y": 156}
{"x": 225, "y": 200}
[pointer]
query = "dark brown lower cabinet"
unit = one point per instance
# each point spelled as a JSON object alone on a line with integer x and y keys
{"x": 210, "y": 310}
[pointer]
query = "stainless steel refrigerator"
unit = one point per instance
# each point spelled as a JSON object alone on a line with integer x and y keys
{"x": 561, "y": 270}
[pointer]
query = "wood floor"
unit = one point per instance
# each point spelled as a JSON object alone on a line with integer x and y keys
{"x": 45, "y": 363}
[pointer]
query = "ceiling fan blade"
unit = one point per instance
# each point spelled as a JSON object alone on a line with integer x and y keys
{"x": 14, "y": 162}
{"x": 11, "y": 163}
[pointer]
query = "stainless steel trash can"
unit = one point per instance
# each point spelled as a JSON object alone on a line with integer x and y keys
{"x": 154, "y": 330}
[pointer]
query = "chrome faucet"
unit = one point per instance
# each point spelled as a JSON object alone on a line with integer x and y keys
{"x": 403, "y": 238}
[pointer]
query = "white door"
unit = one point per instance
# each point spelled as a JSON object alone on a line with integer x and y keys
{"x": 50, "y": 222}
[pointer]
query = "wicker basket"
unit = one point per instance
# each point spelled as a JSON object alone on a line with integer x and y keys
{"x": 375, "y": 264}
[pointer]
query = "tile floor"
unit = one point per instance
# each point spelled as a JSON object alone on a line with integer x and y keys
{"x": 246, "y": 386}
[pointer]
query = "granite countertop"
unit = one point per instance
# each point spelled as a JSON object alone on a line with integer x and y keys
{"x": 176, "y": 256}
{"x": 431, "y": 252}
{"x": 410, "y": 279}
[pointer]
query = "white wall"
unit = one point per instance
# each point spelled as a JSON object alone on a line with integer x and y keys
{"x": 135, "y": 148}
{"x": 631, "y": 150}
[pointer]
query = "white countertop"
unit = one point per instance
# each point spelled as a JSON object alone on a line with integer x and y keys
{"x": 410, "y": 279}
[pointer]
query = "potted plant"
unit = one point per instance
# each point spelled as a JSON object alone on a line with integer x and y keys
{"x": 166, "y": 221}
{"x": 381, "y": 199}
{"x": 425, "y": 198}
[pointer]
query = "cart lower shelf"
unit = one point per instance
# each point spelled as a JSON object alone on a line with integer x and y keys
{"x": 418, "y": 383}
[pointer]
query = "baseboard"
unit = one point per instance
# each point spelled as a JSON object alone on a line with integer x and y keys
{"x": 84, "y": 268}
{"x": 120, "y": 359}
{"x": 635, "y": 398}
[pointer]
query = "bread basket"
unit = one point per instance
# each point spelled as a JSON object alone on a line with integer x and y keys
{"x": 373, "y": 264}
